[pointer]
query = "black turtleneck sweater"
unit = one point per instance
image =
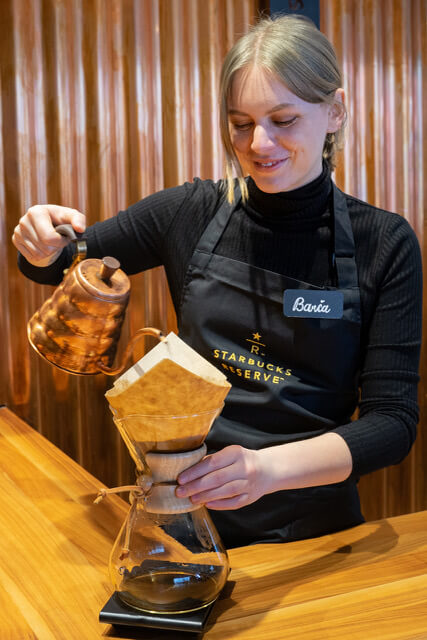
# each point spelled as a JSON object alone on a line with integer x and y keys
{"x": 289, "y": 233}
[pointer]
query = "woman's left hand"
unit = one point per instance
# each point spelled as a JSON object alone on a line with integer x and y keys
{"x": 228, "y": 479}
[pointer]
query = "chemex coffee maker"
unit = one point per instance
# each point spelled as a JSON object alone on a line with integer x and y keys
{"x": 168, "y": 564}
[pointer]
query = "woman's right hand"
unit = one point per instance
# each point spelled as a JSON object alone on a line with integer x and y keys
{"x": 35, "y": 236}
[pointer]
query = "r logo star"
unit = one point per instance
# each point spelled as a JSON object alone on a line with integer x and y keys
{"x": 256, "y": 336}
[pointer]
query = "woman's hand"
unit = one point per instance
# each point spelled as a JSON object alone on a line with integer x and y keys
{"x": 228, "y": 479}
{"x": 235, "y": 477}
{"x": 35, "y": 236}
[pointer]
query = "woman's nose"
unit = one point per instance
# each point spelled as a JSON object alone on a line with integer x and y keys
{"x": 261, "y": 140}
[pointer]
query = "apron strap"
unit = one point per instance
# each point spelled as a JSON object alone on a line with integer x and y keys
{"x": 344, "y": 252}
{"x": 213, "y": 232}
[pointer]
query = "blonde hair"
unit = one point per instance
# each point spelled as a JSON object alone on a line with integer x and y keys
{"x": 294, "y": 50}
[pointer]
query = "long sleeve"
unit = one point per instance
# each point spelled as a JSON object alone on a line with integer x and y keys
{"x": 388, "y": 410}
{"x": 161, "y": 229}
{"x": 290, "y": 234}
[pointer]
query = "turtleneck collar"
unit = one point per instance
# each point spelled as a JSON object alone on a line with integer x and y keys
{"x": 305, "y": 202}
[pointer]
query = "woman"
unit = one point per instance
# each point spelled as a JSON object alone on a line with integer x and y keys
{"x": 308, "y": 299}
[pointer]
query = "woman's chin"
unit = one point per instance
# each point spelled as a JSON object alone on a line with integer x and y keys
{"x": 271, "y": 187}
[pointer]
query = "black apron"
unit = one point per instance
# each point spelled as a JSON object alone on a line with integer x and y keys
{"x": 292, "y": 377}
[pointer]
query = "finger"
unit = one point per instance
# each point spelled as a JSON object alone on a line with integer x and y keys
{"x": 67, "y": 215}
{"x": 210, "y": 463}
{"x": 33, "y": 255}
{"x": 26, "y": 249}
{"x": 27, "y": 243}
{"x": 209, "y": 481}
{"x": 26, "y": 236}
{"x": 226, "y": 490}
{"x": 38, "y": 227}
{"x": 198, "y": 470}
{"x": 41, "y": 220}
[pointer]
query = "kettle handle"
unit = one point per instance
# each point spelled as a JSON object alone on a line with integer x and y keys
{"x": 150, "y": 331}
{"x": 67, "y": 231}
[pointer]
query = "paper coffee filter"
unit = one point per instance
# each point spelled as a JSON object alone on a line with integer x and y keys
{"x": 175, "y": 349}
{"x": 170, "y": 380}
{"x": 167, "y": 389}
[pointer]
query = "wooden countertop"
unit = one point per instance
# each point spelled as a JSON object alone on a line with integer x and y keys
{"x": 366, "y": 582}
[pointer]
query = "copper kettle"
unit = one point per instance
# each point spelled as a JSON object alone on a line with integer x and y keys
{"x": 78, "y": 327}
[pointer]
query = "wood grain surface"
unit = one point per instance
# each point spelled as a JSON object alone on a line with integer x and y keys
{"x": 366, "y": 582}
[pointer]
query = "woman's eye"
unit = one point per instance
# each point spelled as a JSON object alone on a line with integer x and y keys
{"x": 285, "y": 123}
{"x": 242, "y": 126}
{"x": 246, "y": 126}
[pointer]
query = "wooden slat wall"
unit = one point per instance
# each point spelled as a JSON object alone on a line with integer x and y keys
{"x": 381, "y": 45}
{"x": 105, "y": 101}
{"x": 102, "y": 103}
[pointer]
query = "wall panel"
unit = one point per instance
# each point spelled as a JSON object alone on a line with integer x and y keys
{"x": 382, "y": 50}
{"x": 102, "y": 102}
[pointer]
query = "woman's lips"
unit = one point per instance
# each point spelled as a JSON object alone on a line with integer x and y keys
{"x": 267, "y": 166}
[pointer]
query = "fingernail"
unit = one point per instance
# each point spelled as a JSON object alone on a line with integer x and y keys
{"x": 180, "y": 492}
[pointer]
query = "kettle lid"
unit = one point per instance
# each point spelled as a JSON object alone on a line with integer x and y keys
{"x": 103, "y": 279}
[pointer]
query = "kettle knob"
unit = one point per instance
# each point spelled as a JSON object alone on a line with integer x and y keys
{"x": 109, "y": 266}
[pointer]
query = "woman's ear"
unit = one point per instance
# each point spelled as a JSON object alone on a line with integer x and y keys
{"x": 336, "y": 112}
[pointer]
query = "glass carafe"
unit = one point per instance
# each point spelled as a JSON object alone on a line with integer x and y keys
{"x": 168, "y": 557}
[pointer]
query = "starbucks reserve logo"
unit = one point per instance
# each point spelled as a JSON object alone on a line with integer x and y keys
{"x": 252, "y": 364}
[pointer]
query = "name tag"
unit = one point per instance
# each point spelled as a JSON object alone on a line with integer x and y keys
{"x": 308, "y": 303}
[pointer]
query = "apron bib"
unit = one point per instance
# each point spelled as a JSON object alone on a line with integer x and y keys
{"x": 293, "y": 376}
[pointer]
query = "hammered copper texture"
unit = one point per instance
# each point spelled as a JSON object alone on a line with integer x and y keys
{"x": 79, "y": 326}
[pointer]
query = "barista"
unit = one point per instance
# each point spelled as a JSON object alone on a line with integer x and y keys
{"x": 308, "y": 299}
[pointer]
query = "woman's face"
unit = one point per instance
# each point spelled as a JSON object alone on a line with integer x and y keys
{"x": 277, "y": 137}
